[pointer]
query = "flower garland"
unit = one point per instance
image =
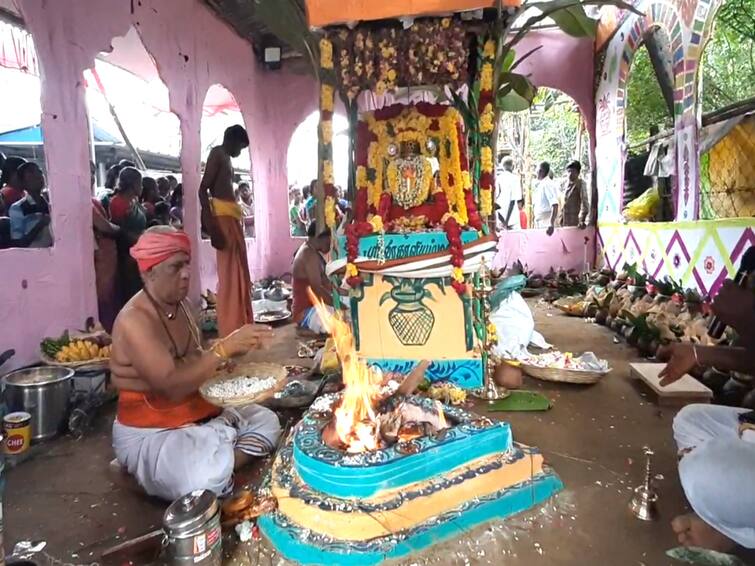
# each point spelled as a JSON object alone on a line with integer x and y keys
{"x": 432, "y": 50}
{"x": 487, "y": 127}
{"x": 452, "y": 204}
{"x": 421, "y": 190}
{"x": 325, "y": 131}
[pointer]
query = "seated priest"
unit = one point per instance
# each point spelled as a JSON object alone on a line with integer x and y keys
{"x": 165, "y": 434}
{"x": 716, "y": 443}
{"x": 309, "y": 272}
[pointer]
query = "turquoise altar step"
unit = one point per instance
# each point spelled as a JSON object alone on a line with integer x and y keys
{"x": 308, "y": 548}
{"x": 343, "y": 475}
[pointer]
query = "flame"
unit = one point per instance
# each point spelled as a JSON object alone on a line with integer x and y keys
{"x": 356, "y": 422}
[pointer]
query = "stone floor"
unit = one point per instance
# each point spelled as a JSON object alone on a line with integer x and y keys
{"x": 593, "y": 437}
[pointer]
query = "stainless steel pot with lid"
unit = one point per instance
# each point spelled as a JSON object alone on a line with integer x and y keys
{"x": 45, "y": 393}
{"x": 192, "y": 529}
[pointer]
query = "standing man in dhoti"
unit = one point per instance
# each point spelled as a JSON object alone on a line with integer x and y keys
{"x": 165, "y": 434}
{"x": 222, "y": 217}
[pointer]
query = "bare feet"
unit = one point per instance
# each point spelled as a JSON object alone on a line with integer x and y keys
{"x": 691, "y": 530}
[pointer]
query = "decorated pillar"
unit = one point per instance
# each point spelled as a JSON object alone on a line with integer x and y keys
{"x": 326, "y": 190}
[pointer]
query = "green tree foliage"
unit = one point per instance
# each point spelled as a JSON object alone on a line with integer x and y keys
{"x": 728, "y": 72}
{"x": 729, "y": 59}
{"x": 645, "y": 104}
{"x": 554, "y": 123}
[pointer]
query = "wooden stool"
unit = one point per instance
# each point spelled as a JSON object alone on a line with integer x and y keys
{"x": 685, "y": 391}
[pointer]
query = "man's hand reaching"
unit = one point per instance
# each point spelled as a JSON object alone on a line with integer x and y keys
{"x": 681, "y": 360}
{"x": 249, "y": 337}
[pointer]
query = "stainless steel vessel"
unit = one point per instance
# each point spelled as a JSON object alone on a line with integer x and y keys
{"x": 45, "y": 393}
{"x": 192, "y": 530}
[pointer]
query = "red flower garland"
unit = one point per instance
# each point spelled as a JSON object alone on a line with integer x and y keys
{"x": 453, "y": 232}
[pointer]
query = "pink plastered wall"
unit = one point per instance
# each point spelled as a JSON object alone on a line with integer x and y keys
{"x": 566, "y": 248}
{"x": 47, "y": 291}
{"x": 564, "y": 63}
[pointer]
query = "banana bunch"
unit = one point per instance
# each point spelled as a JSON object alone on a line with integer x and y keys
{"x": 82, "y": 351}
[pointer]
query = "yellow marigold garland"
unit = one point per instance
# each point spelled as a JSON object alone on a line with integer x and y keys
{"x": 492, "y": 332}
{"x": 486, "y": 202}
{"x": 326, "y": 127}
{"x": 489, "y": 49}
{"x": 486, "y": 119}
{"x": 377, "y": 223}
{"x": 451, "y": 164}
{"x": 458, "y": 274}
{"x": 330, "y": 212}
{"x": 486, "y": 158}
{"x": 326, "y": 98}
{"x": 326, "y": 53}
{"x": 327, "y": 172}
{"x": 486, "y": 77}
{"x": 351, "y": 270}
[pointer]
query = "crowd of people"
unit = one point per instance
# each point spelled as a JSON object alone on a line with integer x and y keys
{"x": 127, "y": 205}
{"x": 554, "y": 203}
{"x": 123, "y": 210}
{"x": 301, "y": 207}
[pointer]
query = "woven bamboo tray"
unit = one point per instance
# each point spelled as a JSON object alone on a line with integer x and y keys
{"x": 96, "y": 364}
{"x": 246, "y": 370}
{"x": 558, "y": 375}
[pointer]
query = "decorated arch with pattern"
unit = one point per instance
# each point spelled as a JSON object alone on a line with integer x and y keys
{"x": 666, "y": 17}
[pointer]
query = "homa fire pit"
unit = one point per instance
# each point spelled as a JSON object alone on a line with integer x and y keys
{"x": 336, "y": 507}
{"x": 371, "y": 474}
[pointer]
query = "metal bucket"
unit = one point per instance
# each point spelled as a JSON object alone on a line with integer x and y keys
{"x": 192, "y": 530}
{"x": 45, "y": 393}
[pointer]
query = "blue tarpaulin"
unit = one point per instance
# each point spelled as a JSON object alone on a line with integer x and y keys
{"x": 32, "y": 135}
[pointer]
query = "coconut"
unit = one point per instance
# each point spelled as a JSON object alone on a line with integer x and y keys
{"x": 601, "y": 317}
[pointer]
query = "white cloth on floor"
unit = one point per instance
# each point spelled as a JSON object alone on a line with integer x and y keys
{"x": 515, "y": 328}
{"x": 312, "y": 322}
{"x": 717, "y": 474}
{"x": 169, "y": 463}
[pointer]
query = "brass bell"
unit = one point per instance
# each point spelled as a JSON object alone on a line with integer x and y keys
{"x": 643, "y": 503}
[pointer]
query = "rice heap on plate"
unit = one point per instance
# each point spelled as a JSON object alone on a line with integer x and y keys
{"x": 242, "y": 386}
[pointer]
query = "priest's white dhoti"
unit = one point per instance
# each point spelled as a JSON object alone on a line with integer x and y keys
{"x": 169, "y": 463}
{"x": 717, "y": 469}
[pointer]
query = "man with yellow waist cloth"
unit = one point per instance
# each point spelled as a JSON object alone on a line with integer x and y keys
{"x": 222, "y": 217}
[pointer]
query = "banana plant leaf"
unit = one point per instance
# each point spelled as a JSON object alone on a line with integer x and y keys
{"x": 512, "y": 102}
{"x": 703, "y": 557}
{"x": 517, "y": 83}
{"x": 571, "y": 19}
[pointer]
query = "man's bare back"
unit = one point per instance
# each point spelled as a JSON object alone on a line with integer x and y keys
{"x": 218, "y": 176}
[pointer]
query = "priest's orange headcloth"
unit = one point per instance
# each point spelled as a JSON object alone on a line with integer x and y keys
{"x": 157, "y": 245}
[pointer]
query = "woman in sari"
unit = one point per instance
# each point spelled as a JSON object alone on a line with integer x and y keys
{"x": 127, "y": 212}
{"x": 105, "y": 260}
